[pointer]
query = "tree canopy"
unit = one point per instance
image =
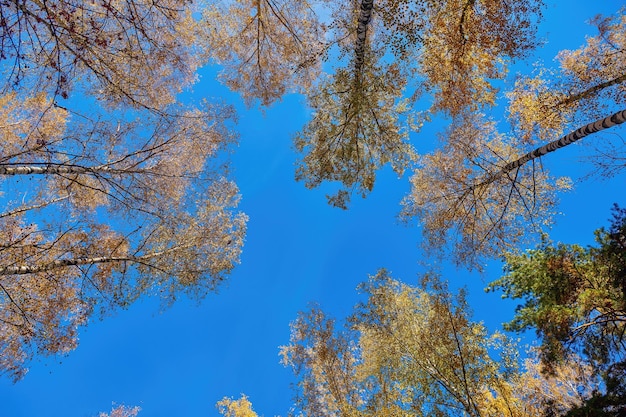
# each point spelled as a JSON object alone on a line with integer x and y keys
{"x": 492, "y": 189}
{"x": 394, "y": 65}
{"x": 414, "y": 351}
{"x": 116, "y": 186}
{"x": 112, "y": 192}
{"x": 575, "y": 299}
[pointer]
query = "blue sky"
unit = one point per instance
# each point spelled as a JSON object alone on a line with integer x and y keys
{"x": 298, "y": 250}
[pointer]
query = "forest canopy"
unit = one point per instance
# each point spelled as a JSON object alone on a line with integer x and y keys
{"x": 110, "y": 189}
{"x": 117, "y": 187}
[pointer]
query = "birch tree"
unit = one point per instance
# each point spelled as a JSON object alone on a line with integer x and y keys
{"x": 112, "y": 190}
{"x": 492, "y": 187}
{"x": 355, "y": 131}
{"x": 136, "y": 52}
{"x": 122, "y": 411}
{"x": 487, "y": 195}
{"x": 589, "y": 85}
{"x": 407, "y": 351}
{"x": 236, "y": 408}
{"x": 449, "y": 51}
{"x": 358, "y": 113}
{"x": 468, "y": 44}
{"x": 267, "y": 47}
{"x": 414, "y": 351}
{"x": 105, "y": 213}
{"x": 441, "y": 45}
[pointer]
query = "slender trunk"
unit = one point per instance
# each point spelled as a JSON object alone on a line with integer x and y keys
{"x": 47, "y": 169}
{"x": 61, "y": 263}
{"x": 594, "y": 127}
{"x": 365, "y": 16}
{"x": 468, "y": 5}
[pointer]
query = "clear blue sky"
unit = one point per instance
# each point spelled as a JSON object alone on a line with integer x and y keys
{"x": 298, "y": 250}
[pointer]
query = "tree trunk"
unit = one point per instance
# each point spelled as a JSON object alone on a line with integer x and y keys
{"x": 43, "y": 169}
{"x": 61, "y": 263}
{"x": 365, "y": 16}
{"x": 594, "y": 127}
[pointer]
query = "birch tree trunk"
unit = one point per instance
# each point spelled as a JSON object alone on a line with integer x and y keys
{"x": 61, "y": 263}
{"x": 580, "y": 133}
{"x": 365, "y": 16}
{"x": 49, "y": 169}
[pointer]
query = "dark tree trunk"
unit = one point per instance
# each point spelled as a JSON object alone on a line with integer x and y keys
{"x": 365, "y": 16}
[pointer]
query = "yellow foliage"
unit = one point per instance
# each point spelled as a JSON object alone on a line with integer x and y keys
{"x": 407, "y": 351}
{"x": 467, "y": 43}
{"x": 543, "y": 106}
{"x": 29, "y": 124}
{"x": 355, "y": 130}
{"x": 267, "y": 47}
{"x": 115, "y": 194}
{"x": 236, "y": 408}
{"x": 459, "y": 194}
